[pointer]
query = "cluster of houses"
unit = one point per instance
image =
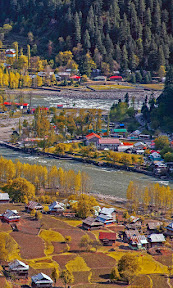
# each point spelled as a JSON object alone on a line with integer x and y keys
{"x": 131, "y": 232}
{"x": 19, "y": 269}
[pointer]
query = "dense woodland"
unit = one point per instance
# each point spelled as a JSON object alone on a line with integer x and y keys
{"x": 136, "y": 34}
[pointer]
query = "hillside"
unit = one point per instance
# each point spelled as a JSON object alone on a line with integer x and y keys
{"x": 135, "y": 34}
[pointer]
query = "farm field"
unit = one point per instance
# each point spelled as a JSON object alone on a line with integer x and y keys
{"x": 41, "y": 244}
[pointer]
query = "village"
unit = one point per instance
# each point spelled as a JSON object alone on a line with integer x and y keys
{"x": 43, "y": 242}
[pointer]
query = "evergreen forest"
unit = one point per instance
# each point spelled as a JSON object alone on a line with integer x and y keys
{"x": 118, "y": 34}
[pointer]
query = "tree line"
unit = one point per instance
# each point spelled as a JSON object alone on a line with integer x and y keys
{"x": 134, "y": 34}
{"x": 57, "y": 180}
{"x": 151, "y": 198}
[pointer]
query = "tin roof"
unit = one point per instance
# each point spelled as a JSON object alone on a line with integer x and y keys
{"x": 34, "y": 205}
{"x": 4, "y": 196}
{"x": 56, "y": 205}
{"x": 156, "y": 238}
{"x": 91, "y": 221}
{"x": 11, "y": 214}
{"x": 18, "y": 265}
{"x": 41, "y": 278}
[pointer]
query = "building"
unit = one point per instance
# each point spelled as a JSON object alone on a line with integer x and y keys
{"x": 56, "y": 207}
{"x": 32, "y": 205}
{"x": 116, "y": 78}
{"x": 4, "y": 198}
{"x": 100, "y": 78}
{"x": 10, "y": 216}
{"x": 118, "y": 132}
{"x": 75, "y": 77}
{"x": 92, "y": 138}
{"x": 91, "y": 223}
{"x": 41, "y": 280}
{"x": 153, "y": 226}
{"x": 156, "y": 240}
{"x": 135, "y": 239}
{"x": 108, "y": 143}
{"x": 10, "y": 53}
{"x": 18, "y": 268}
{"x": 169, "y": 229}
{"x": 108, "y": 239}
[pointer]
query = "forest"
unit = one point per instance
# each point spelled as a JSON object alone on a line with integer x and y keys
{"x": 117, "y": 34}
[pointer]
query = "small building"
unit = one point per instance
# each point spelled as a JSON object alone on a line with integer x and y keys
{"x": 41, "y": 280}
{"x": 4, "y": 198}
{"x": 91, "y": 223}
{"x": 156, "y": 240}
{"x": 10, "y": 216}
{"x": 169, "y": 229}
{"x": 152, "y": 226}
{"x": 118, "y": 132}
{"x": 135, "y": 239}
{"x": 10, "y": 53}
{"x": 108, "y": 143}
{"x": 32, "y": 205}
{"x": 108, "y": 239}
{"x": 92, "y": 138}
{"x": 107, "y": 220}
{"x": 18, "y": 268}
{"x": 155, "y": 156}
{"x": 116, "y": 78}
{"x": 109, "y": 211}
{"x": 56, "y": 207}
{"x": 100, "y": 78}
{"x": 75, "y": 77}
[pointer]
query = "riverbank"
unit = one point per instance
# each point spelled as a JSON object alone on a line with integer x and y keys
{"x": 33, "y": 151}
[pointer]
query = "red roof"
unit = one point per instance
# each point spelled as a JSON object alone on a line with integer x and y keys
{"x": 75, "y": 77}
{"x": 7, "y": 103}
{"x": 92, "y": 135}
{"x": 116, "y": 77}
{"x": 127, "y": 143}
{"x": 107, "y": 235}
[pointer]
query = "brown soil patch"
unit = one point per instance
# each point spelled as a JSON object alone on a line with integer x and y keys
{"x": 59, "y": 247}
{"x": 98, "y": 260}
{"x": 31, "y": 246}
{"x": 81, "y": 277}
{"x": 63, "y": 259}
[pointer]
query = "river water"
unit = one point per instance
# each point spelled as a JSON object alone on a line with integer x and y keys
{"x": 103, "y": 180}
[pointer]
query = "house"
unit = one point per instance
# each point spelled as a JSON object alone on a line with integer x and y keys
{"x": 10, "y": 216}
{"x": 169, "y": 229}
{"x": 91, "y": 223}
{"x": 32, "y": 205}
{"x": 92, "y": 138}
{"x": 135, "y": 223}
{"x": 155, "y": 156}
{"x": 10, "y": 53}
{"x": 108, "y": 239}
{"x": 75, "y": 77}
{"x": 153, "y": 226}
{"x": 156, "y": 240}
{"x": 100, "y": 78}
{"x": 18, "y": 268}
{"x": 118, "y": 132}
{"x": 41, "y": 280}
{"x": 116, "y": 78}
{"x": 135, "y": 239}
{"x": 4, "y": 198}
{"x": 56, "y": 207}
{"x": 109, "y": 211}
{"x": 108, "y": 143}
{"x": 107, "y": 220}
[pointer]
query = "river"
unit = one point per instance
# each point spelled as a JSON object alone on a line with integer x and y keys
{"x": 103, "y": 180}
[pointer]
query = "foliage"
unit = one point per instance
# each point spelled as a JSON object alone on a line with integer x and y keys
{"x": 67, "y": 276}
{"x": 161, "y": 142}
{"x": 84, "y": 206}
{"x": 67, "y": 239}
{"x": 128, "y": 266}
{"x": 20, "y": 189}
{"x": 114, "y": 274}
{"x": 85, "y": 242}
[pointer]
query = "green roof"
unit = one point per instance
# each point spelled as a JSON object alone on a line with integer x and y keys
{"x": 120, "y": 130}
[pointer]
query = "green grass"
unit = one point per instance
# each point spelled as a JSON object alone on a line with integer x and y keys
{"x": 109, "y": 87}
{"x": 77, "y": 265}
